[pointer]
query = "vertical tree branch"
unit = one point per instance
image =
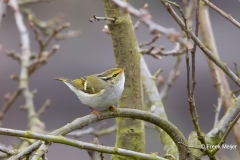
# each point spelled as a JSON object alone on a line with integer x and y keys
{"x": 34, "y": 124}
{"x": 157, "y": 108}
{"x": 130, "y": 132}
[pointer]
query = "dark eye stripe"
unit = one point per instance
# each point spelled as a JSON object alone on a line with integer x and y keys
{"x": 115, "y": 75}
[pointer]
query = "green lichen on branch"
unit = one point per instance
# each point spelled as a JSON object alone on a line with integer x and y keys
{"x": 130, "y": 132}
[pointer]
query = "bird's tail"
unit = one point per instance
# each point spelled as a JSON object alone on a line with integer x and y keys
{"x": 62, "y": 79}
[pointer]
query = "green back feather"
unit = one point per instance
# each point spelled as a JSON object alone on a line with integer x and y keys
{"x": 92, "y": 87}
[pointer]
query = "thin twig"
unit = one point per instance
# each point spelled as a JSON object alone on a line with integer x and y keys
{"x": 193, "y": 52}
{"x": 205, "y": 50}
{"x": 150, "y": 42}
{"x": 102, "y": 18}
{"x": 13, "y": 55}
{"x": 36, "y": 32}
{"x": 69, "y": 34}
{"x": 231, "y": 124}
{"x": 161, "y": 52}
{"x": 9, "y": 103}
{"x": 50, "y": 37}
{"x": 192, "y": 106}
{"x": 41, "y": 61}
{"x": 235, "y": 91}
{"x": 155, "y": 76}
{"x": 44, "y": 107}
{"x": 8, "y": 151}
{"x": 93, "y": 154}
{"x": 135, "y": 26}
{"x": 221, "y": 12}
{"x": 78, "y": 144}
{"x": 25, "y": 2}
{"x": 44, "y": 157}
{"x": 43, "y": 148}
{"x": 217, "y": 110}
{"x": 98, "y": 132}
{"x": 154, "y": 28}
{"x": 173, "y": 75}
{"x": 237, "y": 70}
{"x": 93, "y": 131}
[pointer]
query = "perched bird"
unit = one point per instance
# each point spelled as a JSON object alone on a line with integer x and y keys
{"x": 98, "y": 91}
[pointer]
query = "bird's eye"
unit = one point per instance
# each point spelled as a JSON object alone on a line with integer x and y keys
{"x": 115, "y": 75}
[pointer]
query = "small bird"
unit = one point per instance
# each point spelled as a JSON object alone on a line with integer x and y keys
{"x": 98, "y": 91}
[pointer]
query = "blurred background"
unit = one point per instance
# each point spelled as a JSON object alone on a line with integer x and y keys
{"x": 92, "y": 53}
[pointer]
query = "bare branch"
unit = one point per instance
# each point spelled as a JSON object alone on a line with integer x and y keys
{"x": 34, "y": 124}
{"x": 93, "y": 131}
{"x": 33, "y": 147}
{"x": 222, "y": 126}
{"x": 93, "y": 154}
{"x": 13, "y": 55}
{"x": 236, "y": 91}
{"x": 205, "y": 50}
{"x": 69, "y": 34}
{"x": 45, "y": 26}
{"x": 44, "y": 107}
{"x": 44, "y": 157}
{"x": 150, "y": 42}
{"x": 154, "y": 28}
{"x": 229, "y": 128}
{"x": 8, "y": 103}
{"x": 36, "y": 32}
{"x": 237, "y": 70}
{"x": 42, "y": 61}
{"x": 156, "y": 75}
{"x": 139, "y": 20}
{"x": 193, "y": 52}
{"x": 43, "y": 150}
{"x": 78, "y": 144}
{"x": 157, "y": 107}
{"x": 14, "y": 77}
{"x": 50, "y": 37}
{"x": 79, "y": 123}
{"x": 217, "y": 110}
{"x": 221, "y": 12}
{"x": 173, "y": 75}
{"x": 161, "y": 52}
{"x": 151, "y": 53}
{"x": 102, "y": 18}
{"x": 98, "y": 132}
{"x": 25, "y": 2}
{"x": 8, "y": 151}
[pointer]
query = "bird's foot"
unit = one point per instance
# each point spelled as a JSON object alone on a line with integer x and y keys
{"x": 98, "y": 114}
{"x": 114, "y": 109}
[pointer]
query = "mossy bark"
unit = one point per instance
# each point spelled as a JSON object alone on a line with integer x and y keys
{"x": 130, "y": 132}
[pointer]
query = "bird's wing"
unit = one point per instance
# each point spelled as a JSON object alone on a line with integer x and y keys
{"x": 87, "y": 85}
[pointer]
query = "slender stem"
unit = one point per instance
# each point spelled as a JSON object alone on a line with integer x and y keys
{"x": 193, "y": 52}
{"x": 205, "y": 50}
{"x": 78, "y": 144}
{"x": 221, "y": 12}
{"x": 169, "y": 128}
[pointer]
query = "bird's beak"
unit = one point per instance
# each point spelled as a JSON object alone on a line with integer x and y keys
{"x": 123, "y": 69}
